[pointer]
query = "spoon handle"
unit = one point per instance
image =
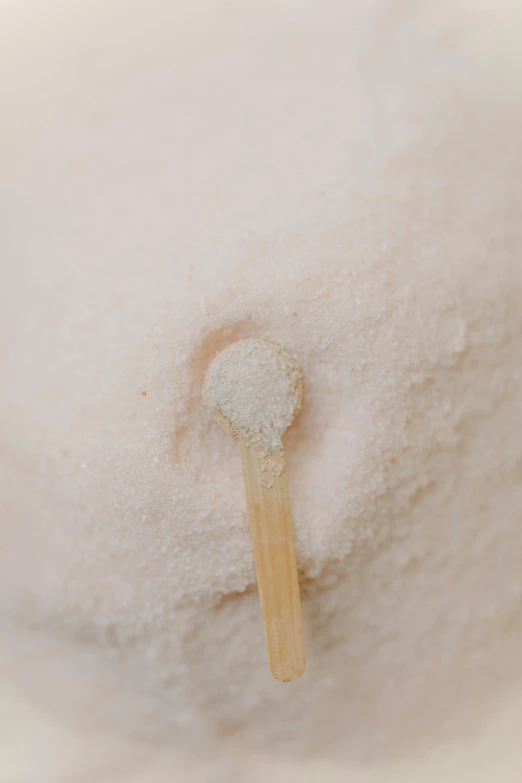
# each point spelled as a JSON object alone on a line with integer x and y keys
{"x": 270, "y": 519}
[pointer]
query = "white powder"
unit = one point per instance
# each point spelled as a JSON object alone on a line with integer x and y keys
{"x": 256, "y": 387}
{"x": 332, "y": 176}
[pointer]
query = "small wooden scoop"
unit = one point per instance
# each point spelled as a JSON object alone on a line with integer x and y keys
{"x": 266, "y": 488}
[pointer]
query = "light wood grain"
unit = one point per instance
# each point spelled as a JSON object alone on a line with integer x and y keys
{"x": 272, "y": 534}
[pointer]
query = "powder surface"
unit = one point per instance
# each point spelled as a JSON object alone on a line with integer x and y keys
{"x": 256, "y": 386}
{"x": 339, "y": 178}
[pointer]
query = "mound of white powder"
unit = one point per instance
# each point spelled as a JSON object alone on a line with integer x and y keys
{"x": 344, "y": 179}
{"x": 256, "y": 387}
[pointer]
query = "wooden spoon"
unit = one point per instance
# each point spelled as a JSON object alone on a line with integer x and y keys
{"x": 270, "y": 519}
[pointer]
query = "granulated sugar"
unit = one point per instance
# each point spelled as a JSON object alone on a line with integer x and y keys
{"x": 336, "y": 178}
{"x": 256, "y": 386}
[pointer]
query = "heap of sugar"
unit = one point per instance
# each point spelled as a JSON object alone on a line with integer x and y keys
{"x": 256, "y": 387}
{"x": 311, "y": 177}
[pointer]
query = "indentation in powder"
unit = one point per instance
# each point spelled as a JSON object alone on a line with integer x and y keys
{"x": 198, "y": 448}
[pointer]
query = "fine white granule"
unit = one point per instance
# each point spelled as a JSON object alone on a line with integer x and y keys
{"x": 256, "y": 387}
{"x": 310, "y": 178}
